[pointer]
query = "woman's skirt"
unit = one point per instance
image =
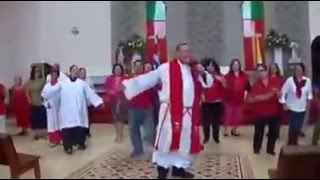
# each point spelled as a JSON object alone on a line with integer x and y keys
{"x": 38, "y": 117}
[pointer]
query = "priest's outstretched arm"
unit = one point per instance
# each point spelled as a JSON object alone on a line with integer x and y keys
{"x": 139, "y": 84}
{"x": 49, "y": 91}
{"x": 91, "y": 96}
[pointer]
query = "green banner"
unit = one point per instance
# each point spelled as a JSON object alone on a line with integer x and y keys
{"x": 156, "y": 11}
{"x": 252, "y": 10}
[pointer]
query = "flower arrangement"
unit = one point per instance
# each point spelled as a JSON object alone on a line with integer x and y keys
{"x": 135, "y": 43}
{"x": 277, "y": 40}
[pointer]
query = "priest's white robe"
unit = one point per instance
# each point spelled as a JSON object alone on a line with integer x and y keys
{"x": 163, "y": 156}
{"x": 73, "y": 101}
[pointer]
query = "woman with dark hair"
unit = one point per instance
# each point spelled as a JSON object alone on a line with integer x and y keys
{"x": 20, "y": 105}
{"x": 113, "y": 86}
{"x": 212, "y": 106}
{"x": 276, "y": 79}
{"x": 265, "y": 94}
{"x": 236, "y": 85}
{"x": 296, "y": 96}
{"x": 38, "y": 111}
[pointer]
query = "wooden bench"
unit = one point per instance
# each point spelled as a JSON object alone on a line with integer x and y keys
{"x": 18, "y": 163}
{"x": 297, "y": 162}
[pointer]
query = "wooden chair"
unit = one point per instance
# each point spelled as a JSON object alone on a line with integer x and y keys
{"x": 18, "y": 163}
{"x": 297, "y": 162}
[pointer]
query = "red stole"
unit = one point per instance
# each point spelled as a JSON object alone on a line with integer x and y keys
{"x": 177, "y": 109}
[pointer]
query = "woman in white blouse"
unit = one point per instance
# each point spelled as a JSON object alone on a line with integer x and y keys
{"x": 296, "y": 95}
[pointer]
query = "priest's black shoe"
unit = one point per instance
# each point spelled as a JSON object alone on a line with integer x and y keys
{"x": 69, "y": 151}
{"x": 181, "y": 173}
{"x": 162, "y": 172}
{"x": 82, "y": 147}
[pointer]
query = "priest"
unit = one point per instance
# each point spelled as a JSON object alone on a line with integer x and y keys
{"x": 178, "y": 137}
{"x": 74, "y": 96}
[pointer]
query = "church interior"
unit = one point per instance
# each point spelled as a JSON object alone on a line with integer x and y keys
{"x": 96, "y": 35}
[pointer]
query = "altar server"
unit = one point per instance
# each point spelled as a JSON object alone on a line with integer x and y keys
{"x": 74, "y": 95}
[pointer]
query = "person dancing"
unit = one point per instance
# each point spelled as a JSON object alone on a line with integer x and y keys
{"x": 178, "y": 137}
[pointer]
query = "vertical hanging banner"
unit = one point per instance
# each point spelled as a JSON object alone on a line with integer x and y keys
{"x": 253, "y": 33}
{"x": 156, "y": 47}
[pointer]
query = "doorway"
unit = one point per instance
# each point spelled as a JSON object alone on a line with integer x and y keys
{"x": 315, "y": 60}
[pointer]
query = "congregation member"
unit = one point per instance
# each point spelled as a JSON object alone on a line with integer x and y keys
{"x": 236, "y": 86}
{"x": 83, "y": 76}
{"x": 74, "y": 97}
{"x": 3, "y": 127}
{"x": 212, "y": 106}
{"x": 276, "y": 79}
{"x": 178, "y": 135}
{"x": 53, "y": 118}
{"x": 264, "y": 97}
{"x": 296, "y": 96}
{"x": 38, "y": 110}
{"x": 140, "y": 112}
{"x": 62, "y": 76}
{"x": 113, "y": 84}
{"x": 21, "y": 105}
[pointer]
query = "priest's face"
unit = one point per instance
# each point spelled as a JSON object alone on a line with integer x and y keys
{"x": 184, "y": 53}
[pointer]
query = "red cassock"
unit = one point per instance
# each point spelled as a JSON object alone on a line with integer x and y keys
{"x": 21, "y": 106}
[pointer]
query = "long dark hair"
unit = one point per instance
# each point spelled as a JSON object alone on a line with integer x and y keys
{"x": 278, "y": 73}
{"x": 208, "y": 61}
{"x": 33, "y": 72}
{"x": 302, "y": 66}
{"x": 231, "y": 65}
{"x": 118, "y": 65}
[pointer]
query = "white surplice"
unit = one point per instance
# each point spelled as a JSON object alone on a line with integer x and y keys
{"x": 163, "y": 156}
{"x": 73, "y": 101}
{"x": 62, "y": 76}
{"x": 52, "y": 105}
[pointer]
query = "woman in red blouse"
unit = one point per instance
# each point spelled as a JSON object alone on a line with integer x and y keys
{"x": 264, "y": 96}
{"x": 212, "y": 107}
{"x": 236, "y": 85}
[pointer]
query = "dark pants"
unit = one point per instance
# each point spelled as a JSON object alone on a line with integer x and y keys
{"x": 273, "y": 123}
{"x": 295, "y": 125}
{"x": 38, "y": 117}
{"x": 73, "y": 136}
{"x": 211, "y": 116}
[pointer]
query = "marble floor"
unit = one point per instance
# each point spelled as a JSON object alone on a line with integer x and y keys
{"x": 56, "y": 164}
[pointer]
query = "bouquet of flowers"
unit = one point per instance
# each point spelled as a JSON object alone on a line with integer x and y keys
{"x": 135, "y": 43}
{"x": 277, "y": 40}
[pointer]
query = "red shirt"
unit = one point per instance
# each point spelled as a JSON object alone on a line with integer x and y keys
{"x": 236, "y": 88}
{"x": 267, "y": 107}
{"x": 214, "y": 93}
{"x": 143, "y": 100}
{"x": 2, "y": 98}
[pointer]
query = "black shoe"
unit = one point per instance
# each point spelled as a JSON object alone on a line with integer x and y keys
{"x": 181, "y": 173}
{"x": 216, "y": 140}
{"x": 82, "y": 147}
{"x": 256, "y": 151}
{"x": 89, "y": 135}
{"x": 302, "y": 134}
{"x": 272, "y": 153}
{"x": 205, "y": 141}
{"x": 162, "y": 172}
{"x": 69, "y": 151}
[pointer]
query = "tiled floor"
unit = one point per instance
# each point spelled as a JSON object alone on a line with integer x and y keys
{"x": 56, "y": 164}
